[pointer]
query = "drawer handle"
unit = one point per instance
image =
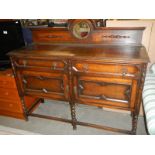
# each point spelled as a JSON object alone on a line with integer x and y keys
{"x": 54, "y": 66}
{"x": 24, "y": 81}
{"x": 44, "y": 90}
{"x": 124, "y": 74}
{"x": 40, "y": 77}
{"x": 124, "y": 71}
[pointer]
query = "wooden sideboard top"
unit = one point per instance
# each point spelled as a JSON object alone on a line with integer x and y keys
{"x": 129, "y": 53}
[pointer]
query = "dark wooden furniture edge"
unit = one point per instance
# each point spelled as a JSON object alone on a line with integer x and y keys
{"x": 34, "y": 105}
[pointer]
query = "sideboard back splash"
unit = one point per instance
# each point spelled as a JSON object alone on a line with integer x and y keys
{"x": 87, "y": 33}
{"x": 105, "y": 35}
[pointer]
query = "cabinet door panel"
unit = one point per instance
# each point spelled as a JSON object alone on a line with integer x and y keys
{"x": 104, "y": 91}
{"x": 48, "y": 85}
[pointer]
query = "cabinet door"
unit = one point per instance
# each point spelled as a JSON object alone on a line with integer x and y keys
{"x": 46, "y": 85}
{"x": 106, "y": 92}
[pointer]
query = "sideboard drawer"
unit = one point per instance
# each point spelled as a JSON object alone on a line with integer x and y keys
{"x": 10, "y": 106}
{"x": 7, "y": 82}
{"x": 116, "y": 69}
{"x": 9, "y": 94}
{"x": 45, "y": 64}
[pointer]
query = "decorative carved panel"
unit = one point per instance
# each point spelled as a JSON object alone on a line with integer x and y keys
{"x": 104, "y": 91}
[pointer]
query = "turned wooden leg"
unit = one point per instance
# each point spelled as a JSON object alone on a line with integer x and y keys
{"x": 73, "y": 115}
{"x": 134, "y": 123}
{"x": 132, "y": 113}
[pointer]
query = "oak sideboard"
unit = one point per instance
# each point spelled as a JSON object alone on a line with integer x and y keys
{"x": 83, "y": 64}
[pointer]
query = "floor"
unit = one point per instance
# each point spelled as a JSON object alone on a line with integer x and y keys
{"x": 13, "y": 131}
{"x": 84, "y": 113}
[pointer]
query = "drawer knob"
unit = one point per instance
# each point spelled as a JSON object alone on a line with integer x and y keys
{"x": 44, "y": 90}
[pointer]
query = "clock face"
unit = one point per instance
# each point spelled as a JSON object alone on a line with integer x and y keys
{"x": 81, "y": 30}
